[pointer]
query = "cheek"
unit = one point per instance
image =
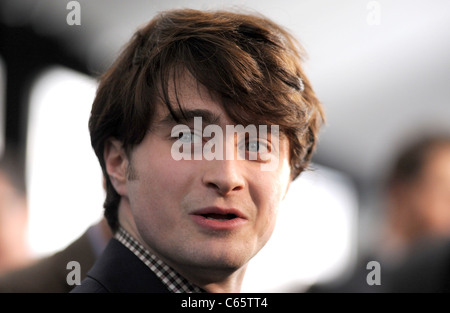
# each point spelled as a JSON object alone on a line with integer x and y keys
{"x": 438, "y": 210}
{"x": 151, "y": 210}
{"x": 157, "y": 192}
{"x": 267, "y": 192}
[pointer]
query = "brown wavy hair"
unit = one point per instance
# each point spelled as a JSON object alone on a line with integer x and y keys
{"x": 250, "y": 63}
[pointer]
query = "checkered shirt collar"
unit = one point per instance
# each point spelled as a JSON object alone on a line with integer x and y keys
{"x": 174, "y": 282}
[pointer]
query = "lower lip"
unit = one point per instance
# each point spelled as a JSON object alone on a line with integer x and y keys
{"x": 217, "y": 224}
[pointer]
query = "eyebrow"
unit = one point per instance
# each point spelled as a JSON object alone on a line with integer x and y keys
{"x": 187, "y": 116}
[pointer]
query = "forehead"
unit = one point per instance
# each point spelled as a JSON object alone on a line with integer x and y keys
{"x": 187, "y": 98}
{"x": 185, "y": 94}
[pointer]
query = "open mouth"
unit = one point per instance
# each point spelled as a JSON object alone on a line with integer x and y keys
{"x": 215, "y": 218}
{"x": 219, "y": 217}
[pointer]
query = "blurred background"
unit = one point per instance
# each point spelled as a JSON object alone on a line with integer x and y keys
{"x": 380, "y": 68}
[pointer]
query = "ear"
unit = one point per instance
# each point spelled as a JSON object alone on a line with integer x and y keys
{"x": 116, "y": 162}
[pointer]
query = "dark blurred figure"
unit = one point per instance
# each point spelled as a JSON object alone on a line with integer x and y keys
{"x": 49, "y": 274}
{"x": 419, "y": 195}
{"x": 415, "y": 249}
{"x": 18, "y": 271}
{"x": 14, "y": 252}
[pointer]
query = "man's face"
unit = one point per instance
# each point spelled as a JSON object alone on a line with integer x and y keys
{"x": 204, "y": 214}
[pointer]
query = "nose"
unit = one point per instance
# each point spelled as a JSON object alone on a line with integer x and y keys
{"x": 224, "y": 176}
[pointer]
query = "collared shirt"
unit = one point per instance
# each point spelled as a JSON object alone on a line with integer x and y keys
{"x": 169, "y": 277}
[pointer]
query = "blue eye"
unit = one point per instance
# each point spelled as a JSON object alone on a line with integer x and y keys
{"x": 252, "y": 146}
{"x": 189, "y": 137}
{"x": 185, "y": 137}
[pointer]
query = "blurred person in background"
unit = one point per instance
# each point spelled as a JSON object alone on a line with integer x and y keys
{"x": 19, "y": 272}
{"x": 414, "y": 250}
{"x": 418, "y": 206}
{"x": 14, "y": 251}
{"x": 49, "y": 274}
{"x": 417, "y": 235}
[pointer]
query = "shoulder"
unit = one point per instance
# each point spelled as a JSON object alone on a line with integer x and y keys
{"x": 90, "y": 285}
{"x": 118, "y": 270}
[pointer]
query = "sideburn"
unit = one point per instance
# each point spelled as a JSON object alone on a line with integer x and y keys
{"x": 131, "y": 172}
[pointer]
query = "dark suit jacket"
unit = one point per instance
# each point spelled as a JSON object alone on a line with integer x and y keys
{"x": 118, "y": 270}
{"x": 49, "y": 274}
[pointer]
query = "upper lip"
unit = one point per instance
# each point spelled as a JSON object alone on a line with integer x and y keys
{"x": 218, "y": 210}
